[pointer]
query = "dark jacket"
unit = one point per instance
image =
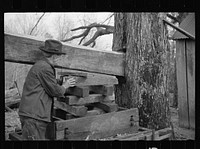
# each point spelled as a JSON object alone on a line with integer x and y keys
{"x": 39, "y": 89}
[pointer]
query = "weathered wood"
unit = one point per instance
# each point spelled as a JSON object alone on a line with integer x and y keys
{"x": 107, "y": 107}
{"x": 8, "y": 109}
{"x": 99, "y": 123}
{"x": 182, "y": 84}
{"x": 92, "y": 78}
{"x": 81, "y": 91}
{"x": 24, "y": 49}
{"x": 15, "y": 136}
{"x": 93, "y": 98}
{"x": 102, "y": 89}
{"x": 75, "y": 110}
{"x": 12, "y": 102}
{"x": 190, "y": 48}
{"x": 77, "y": 74}
{"x": 93, "y": 112}
{"x": 11, "y": 92}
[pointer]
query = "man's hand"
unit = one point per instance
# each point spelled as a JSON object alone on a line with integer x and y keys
{"x": 69, "y": 83}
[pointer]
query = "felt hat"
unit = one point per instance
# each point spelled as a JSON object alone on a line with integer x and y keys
{"x": 52, "y": 46}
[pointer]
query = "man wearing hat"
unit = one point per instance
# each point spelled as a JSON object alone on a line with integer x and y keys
{"x": 40, "y": 87}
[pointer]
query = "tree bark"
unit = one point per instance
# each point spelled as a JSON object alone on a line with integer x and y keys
{"x": 146, "y": 64}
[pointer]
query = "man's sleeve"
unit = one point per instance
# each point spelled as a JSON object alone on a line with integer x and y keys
{"x": 49, "y": 83}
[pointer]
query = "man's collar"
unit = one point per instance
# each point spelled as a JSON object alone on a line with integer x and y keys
{"x": 46, "y": 60}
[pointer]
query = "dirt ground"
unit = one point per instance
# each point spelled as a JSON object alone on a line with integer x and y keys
{"x": 12, "y": 122}
{"x": 180, "y": 133}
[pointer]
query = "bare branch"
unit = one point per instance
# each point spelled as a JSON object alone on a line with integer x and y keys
{"x": 37, "y": 23}
{"x": 101, "y": 30}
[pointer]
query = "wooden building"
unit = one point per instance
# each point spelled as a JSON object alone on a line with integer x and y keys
{"x": 185, "y": 62}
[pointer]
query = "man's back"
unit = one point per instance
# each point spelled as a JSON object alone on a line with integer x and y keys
{"x": 35, "y": 102}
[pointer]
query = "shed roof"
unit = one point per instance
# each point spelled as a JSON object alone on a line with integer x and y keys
{"x": 188, "y": 24}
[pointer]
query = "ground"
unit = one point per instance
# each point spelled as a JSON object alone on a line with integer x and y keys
{"x": 180, "y": 133}
{"x": 12, "y": 122}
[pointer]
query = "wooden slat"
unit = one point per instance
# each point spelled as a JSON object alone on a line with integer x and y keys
{"x": 93, "y": 98}
{"x": 190, "y": 48}
{"x": 81, "y": 91}
{"x": 99, "y": 123}
{"x": 106, "y": 90}
{"x": 182, "y": 85}
{"x": 91, "y": 79}
{"x": 15, "y": 136}
{"x": 24, "y": 49}
{"x": 12, "y": 102}
{"x": 107, "y": 107}
{"x": 75, "y": 110}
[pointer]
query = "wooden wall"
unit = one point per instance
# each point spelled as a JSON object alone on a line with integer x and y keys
{"x": 185, "y": 59}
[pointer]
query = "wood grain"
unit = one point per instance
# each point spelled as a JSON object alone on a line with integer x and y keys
{"x": 24, "y": 49}
{"x": 190, "y": 48}
{"x": 74, "y": 100}
{"x": 182, "y": 84}
{"x": 98, "y": 124}
{"x": 91, "y": 79}
{"x": 75, "y": 110}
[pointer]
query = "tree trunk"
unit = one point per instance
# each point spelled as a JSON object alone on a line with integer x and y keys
{"x": 146, "y": 65}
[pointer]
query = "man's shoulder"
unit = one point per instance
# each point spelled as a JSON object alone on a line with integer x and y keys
{"x": 42, "y": 65}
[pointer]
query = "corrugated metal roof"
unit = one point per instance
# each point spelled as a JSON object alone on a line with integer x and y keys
{"x": 188, "y": 24}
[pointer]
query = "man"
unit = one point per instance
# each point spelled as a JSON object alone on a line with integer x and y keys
{"x": 40, "y": 87}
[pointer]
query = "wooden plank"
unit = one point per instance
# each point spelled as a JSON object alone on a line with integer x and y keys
{"x": 77, "y": 74}
{"x": 24, "y": 49}
{"x": 135, "y": 135}
{"x": 182, "y": 85}
{"x": 99, "y": 123}
{"x": 15, "y": 136}
{"x": 190, "y": 46}
{"x": 75, "y": 110}
{"x": 106, "y": 90}
{"x": 93, "y": 112}
{"x": 107, "y": 107}
{"x": 11, "y": 93}
{"x": 92, "y": 78}
{"x": 12, "y": 102}
{"x": 93, "y": 98}
{"x": 81, "y": 91}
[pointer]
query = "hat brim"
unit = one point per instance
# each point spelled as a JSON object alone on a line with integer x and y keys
{"x": 45, "y": 50}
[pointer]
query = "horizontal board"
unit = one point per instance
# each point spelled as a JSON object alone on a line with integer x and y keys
{"x": 75, "y": 110}
{"x": 24, "y": 49}
{"x": 99, "y": 123}
{"x": 91, "y": 79}
{"x": 107, "y": 107}
{"x": 74, "y": 100}
{"x": 81, "y": 91}
{"x": 106, "y": 90}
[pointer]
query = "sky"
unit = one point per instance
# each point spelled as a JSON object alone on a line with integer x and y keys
{"x": 104, "y": 42}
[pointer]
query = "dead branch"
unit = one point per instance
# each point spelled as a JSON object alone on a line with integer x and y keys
{"x": 101, "y": 30}
{"x": 37, "y": 23}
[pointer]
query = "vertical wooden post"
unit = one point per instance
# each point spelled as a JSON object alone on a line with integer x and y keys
{"x": 190, "y": 51}
{"x": 182, "y": 84}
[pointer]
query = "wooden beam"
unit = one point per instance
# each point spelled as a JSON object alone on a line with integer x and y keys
{"x": 74, "y": 100}
{"x": 108, "y": 122}
{"x": 106, "y": 90}
{"x": 81, "y": 91}
{"x": 190, "y": 50}
{"x": 75, "y": 110}
{"x": 24, "y": 49}
{"x": 182, "y": 84}
{"x": 91, "y": 79}
{"x": 107, "y": 107}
